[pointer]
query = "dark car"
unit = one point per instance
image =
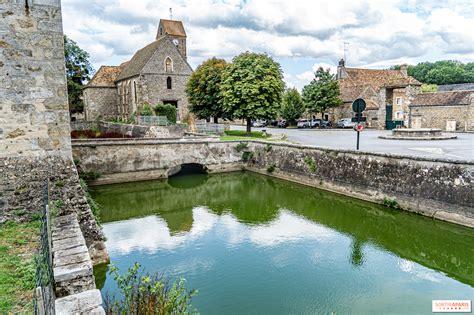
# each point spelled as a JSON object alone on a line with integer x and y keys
{"x": 273, "y": 123}
{"x": 325, "y": 124}
{"x": 282, "y": 124}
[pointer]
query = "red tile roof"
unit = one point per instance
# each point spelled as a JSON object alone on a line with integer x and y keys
{"x": 105, "y": 76}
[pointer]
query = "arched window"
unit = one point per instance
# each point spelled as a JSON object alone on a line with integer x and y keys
{"x": 135, "y": 92}
{"x": 168, "y": 83}
{"x": 168, "y": 64}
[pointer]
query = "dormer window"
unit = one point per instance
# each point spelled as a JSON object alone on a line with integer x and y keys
{"x": 168, "y": 83}
{"x": 168, "y": 64}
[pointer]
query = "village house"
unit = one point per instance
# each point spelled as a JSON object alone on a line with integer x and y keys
{"x": 450, "y": 110}
{"x": 387, "y": 93}
{"x": 156, "y": 74}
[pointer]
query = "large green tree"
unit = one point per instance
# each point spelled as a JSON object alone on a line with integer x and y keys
{"x": 252, "y": 87}
{"x": 292, "y": 106}
{"x": 78, "y": 72}
{"x": 322, "y": 92}
{"x": 204, "y": 89}
{"x": 442, "y": 72}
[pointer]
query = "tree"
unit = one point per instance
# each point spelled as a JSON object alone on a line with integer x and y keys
{"x": 441, "y": 72}
{"x": 322, "y": 92}
{"x": 78, "y": 71}
{"x": 292, "y": 106}
{"x": 252, "y": 87}
{"x": 204, "y": 89}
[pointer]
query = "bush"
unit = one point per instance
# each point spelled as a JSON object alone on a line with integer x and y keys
{"x": 148, "y": 294}
{"x": 146, "y": 111}
{"x": 247, "y": 156}
{"x": 391, "y": 203}
{"x": 271, "y": 168}
{"x": 169, "y": 111}
{"x": 241, "y": 146}
{"x": 311, "y": 163}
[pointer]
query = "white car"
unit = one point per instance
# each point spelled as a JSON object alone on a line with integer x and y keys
{"x": 345, "y": 123}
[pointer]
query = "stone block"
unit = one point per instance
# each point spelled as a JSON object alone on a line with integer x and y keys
{"x": 88, "y": 302}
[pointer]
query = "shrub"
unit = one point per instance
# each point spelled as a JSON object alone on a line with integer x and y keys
{"x": 247, "y": 156}
{"x": 241, "y": 146}
{"x": 169, "y": 111}
{"x": 143, "y": 293}
{"x": 271, "y": 168}
{"x": 311, "y": 163}
{"x": 146, "y": 111}
{"x": 268, "y": 148}
{"x": 391, "y": 203}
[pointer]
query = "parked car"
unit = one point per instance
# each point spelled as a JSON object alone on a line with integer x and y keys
{"x": 282, "y": 124}
{"x": 273, "y": 122}
{"x": 345, "y": 123}
{"x": 259, "y": 123}
{"x": 315, "y": 123}
{"x": 325, "y": 124}
{"x": 303, "y": 123}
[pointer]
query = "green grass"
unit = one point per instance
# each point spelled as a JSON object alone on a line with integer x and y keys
{"x": 18, "y": 245}
{"x": 242, "y": 135}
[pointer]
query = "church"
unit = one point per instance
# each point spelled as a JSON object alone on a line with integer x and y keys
{"x": 156, "y": 74}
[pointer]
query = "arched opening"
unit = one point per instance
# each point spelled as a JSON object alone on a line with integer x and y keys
{"x": 168, "y": 64}
{"x": 168, "y": 83}
{"x": 187, "y": 175}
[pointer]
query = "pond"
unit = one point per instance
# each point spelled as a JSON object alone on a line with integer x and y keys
{"x": 252, "y": 244}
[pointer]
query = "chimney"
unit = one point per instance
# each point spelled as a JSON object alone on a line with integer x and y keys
{"x": 341, "y": 69}
{"x": 404, "y": 69}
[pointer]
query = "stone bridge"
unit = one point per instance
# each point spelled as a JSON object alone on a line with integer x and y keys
{"x": 437, "y": 188}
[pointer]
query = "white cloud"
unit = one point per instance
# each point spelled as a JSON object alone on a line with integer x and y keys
{"x": 380, "y": 33}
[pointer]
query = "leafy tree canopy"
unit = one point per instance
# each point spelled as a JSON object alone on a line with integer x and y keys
{"x": 252, "y": 87}
{"x": 204, "y": 89}
{"x": 78, "y": 72}
{"x": 292, "y": 106}
{"x": 442, "y": 72}
{"x": 322, "y": 92}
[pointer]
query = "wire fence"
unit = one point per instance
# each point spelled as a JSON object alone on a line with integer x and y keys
{"x": 44, "y": 292}
{"x": 153, "y": 121}
{"x": 210, "y": 128}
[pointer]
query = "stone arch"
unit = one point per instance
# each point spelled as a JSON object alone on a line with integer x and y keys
{"x": 189, "y": 167}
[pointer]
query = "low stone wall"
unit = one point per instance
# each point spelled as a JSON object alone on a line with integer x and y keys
{"x": 436, "y": 188}
{"x": 136, "y": 131}
{"x": 21, "y": 187}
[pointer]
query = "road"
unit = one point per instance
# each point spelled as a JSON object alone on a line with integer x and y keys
{"x": 461, "y": 148}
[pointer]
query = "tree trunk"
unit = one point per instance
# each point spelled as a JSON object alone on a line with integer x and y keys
{"x": 249, "y": 126}
{"x": 216, "y": 119}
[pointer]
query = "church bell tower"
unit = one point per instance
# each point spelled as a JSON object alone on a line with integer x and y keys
{"x": 175, "y": 30}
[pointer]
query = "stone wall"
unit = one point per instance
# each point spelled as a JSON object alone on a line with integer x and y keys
{"x": 135, "y": 131}
{"x": 437, "y": 116}
{"x": 100, "y": 103}
{"x": 34, "y": 114}
{"x": 436, "y": 188}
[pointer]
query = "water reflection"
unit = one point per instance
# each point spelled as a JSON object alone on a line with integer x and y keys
{"x": 266, "y": 212}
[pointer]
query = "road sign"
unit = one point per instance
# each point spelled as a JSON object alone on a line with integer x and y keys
{"x": 358, "y": 105}
{"x": 359, "y": 127}
{"x": 358, "y": 119}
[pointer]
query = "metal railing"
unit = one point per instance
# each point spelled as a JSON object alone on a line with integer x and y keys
{"x": 210, "y": 128}
{"x": 44, "y": 292}
{"x": 153, "y": 120}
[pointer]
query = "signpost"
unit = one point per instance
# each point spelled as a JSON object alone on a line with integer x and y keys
{"x": 358, "y": 106}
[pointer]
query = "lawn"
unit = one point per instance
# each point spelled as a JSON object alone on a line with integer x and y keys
{"x": 18, "y": 244}
{"x": 242, "y": 135}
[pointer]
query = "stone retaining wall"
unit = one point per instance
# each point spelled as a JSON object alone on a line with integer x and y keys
{"x": 436, "y": 188}
{"x": 136, "y": 131}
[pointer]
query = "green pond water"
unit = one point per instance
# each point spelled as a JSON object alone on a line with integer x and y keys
{"x": 252, "y": 244}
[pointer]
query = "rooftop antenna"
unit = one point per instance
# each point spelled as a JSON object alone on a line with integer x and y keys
{"x": 171, "y": 13}
{"x": 346, "y": 49}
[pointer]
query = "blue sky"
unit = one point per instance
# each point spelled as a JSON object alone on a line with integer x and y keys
{"x": 300, "y": 35}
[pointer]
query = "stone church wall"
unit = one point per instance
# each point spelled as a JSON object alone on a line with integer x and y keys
{"x": 100, "y": 103}
{"x": 437, "y": 116}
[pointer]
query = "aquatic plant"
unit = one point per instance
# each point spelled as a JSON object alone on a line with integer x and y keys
{"x": 142, "y": 293}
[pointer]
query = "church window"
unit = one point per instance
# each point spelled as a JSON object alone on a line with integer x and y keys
{"x": 168, "y": 65}
{"x": 168, "y": 83}
{"x": 135, "y": 94}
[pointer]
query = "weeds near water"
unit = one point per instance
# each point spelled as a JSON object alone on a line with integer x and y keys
{"x": 391, "y": 203}
{"x": 241, "y": 146}
{"x": 247, "y": 156}
{"x": 143, "y": 293}
{"x": 95, "y": 207}
{"x": 311, "y": 163}
{"x": 271, "y": 168}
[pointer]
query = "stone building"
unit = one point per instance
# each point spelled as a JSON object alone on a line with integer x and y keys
{"x": 156, "y": 74}
{"x": 452, "y": 110}
{"x": 386, "y": 92}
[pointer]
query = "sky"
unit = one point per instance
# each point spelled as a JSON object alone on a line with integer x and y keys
{"x": 300, "y": 35}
